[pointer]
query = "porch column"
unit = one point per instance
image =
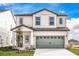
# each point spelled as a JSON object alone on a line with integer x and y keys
{"x": 23, "y": 41}
{"x": 34, "y": 40}
{"x": 31, "y": 39}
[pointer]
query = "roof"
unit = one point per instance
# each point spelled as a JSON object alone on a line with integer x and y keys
{"x": 44, "y": 29}
{"x": 52, "y": 29}
{"x": 23, "y": 15}
{"x": 30, "y": 14}
{"x": 73, "y": 40}
{"x": 21, "y": 26}
{"x": 3, "y": 10}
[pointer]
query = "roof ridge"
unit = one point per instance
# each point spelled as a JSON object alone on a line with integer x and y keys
{"x": 39, "y": 11}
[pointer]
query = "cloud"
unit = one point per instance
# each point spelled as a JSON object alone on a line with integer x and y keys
{"x": 17, "y": 8}
{"x": 3, "y": 4}
{"x": 62, "y": 11}
{"x": 21, "y": 9}
{"x": 6, "y": 4}
{"x": 73, "y": 25}
{"x": 53, "y": 6}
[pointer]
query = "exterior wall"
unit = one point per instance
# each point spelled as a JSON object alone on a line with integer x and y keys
{"x": 4, "y": 38}
{"x": 66, "y": 41}
{"x": 44, "y": 15}
{"x": 30, "y": 21}
{"x": 27, "y": 20}
{"x": 51, "y": 33}
{"x": 64, "y": 21}
{"x": 13, "y": 41}
{"x": 33, "y": 35}
{"x": 26, "y": 32}
{"x": 7, "y": 20}
{"x": 6, "y": 23}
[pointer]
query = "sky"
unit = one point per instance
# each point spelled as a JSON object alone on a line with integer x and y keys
{"x": 71, "y": 9}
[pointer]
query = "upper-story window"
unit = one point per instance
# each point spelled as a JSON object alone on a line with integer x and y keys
{"x": 37, "y": 20}
{"x": 51, "y": 20}
{"x": 21, "y": 20}
{"x": 60, "y": 21}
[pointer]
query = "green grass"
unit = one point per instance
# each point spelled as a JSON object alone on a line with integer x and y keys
{"x": 13, "y": 53}
{"x": 8, "y": 51}
{"x": 74, "y": 50}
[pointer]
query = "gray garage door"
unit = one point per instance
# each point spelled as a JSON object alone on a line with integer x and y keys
{"x": 50, "y": 42}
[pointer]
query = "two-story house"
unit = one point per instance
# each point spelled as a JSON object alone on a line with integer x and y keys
{"x": 42, "y": 29}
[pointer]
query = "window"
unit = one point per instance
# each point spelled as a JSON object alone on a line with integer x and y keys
{"x": 21, "y": 21}
{"x": 47, "y": 37}
{"x": 51, "y": 20}
{"x": 44, "y": 37}
{"x": 60, "y": 21}
{"x": 55, "y": 37}
{"x": 51, "y": 37}
{"x": 40, "y": 37}
{"x": 27, "y": 39}
{"x": 59, "y": 37}
{"x": 62, "y": 37}
{"x": 37, "y": 20}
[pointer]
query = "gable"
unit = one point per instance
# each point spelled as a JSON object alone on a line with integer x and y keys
{"x": 22, "y": 28}
{"x": 45, "y": 12}
{"x": 25, "y": 29}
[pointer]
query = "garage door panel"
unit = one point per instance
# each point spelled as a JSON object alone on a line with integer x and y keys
{"x": 49, "y": 43}
{"x": 42, "y": 43}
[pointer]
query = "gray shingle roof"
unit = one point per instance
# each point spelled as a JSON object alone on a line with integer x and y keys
{"x": 52, "y": 29}
{"x": 44, "y": 29}
{"x": 30, "y": 14}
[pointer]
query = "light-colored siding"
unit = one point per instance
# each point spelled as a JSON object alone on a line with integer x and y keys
{"x": 50, "y": 33}
{"x": 27, "y": 20}
{"x": 64, "y": 21}
{"x": 44, "y": 23}
{"x": 7, "y": 22}
{"x": 44, "y": 20}
{"x": 4, "y": 38}
{"x": 44, "y": 15}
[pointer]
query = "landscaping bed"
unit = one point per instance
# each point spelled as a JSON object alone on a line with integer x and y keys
{"x": 8, "y": 51}
{"x": 74, "y": 50}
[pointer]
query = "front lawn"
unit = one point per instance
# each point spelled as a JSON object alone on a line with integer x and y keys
{"x": 74, "y": 50}
{"x": 11, "y": 52}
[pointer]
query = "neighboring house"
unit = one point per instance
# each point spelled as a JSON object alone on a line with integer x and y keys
{"x": 6, "y": 23}
{"x": 73, "y": 43}
{"x": 42, "y": 29}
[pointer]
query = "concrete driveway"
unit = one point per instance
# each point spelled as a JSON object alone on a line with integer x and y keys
{"x": 53, "y": 52}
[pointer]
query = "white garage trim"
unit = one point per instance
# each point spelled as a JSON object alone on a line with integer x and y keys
{"x": 50, "y": 42}
{"x": 52, "y": 33}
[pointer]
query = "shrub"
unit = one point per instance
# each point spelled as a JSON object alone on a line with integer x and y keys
{"x": 8, "y": 48}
